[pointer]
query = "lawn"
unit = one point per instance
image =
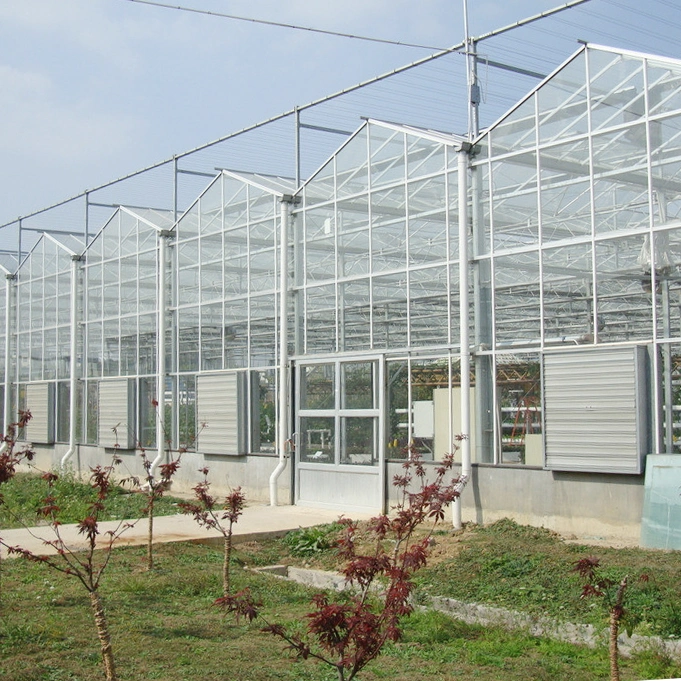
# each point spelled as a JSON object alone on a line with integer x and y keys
{"x": 165, "y": 626}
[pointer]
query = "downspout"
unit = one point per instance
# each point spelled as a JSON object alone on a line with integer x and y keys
{"x": 73, "y": 364}
{"x": 161, "y": 352}
{"x": 282, "y": 424}
{"x": 7, "y": 407}
{"x": 464, "y": 341}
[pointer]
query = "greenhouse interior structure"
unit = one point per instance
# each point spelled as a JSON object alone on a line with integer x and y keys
{"x": 300, "y": 337}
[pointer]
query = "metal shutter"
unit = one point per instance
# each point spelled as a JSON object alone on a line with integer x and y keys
{"x": 596, "y": 410}
{"x": 221, "y": 400}
{"x": 117, "y": 413}
{"x": 40, "y": 402}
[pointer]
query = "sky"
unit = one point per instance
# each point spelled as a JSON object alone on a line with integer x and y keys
{"x": 91, "y": 90}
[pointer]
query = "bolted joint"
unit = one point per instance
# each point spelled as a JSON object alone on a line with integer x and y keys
{"x": 291, "y": 199}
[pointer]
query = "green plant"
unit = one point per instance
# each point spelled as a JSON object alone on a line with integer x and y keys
{"x": 308, "y": 541}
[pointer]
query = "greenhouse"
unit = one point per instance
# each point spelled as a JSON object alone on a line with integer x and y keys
{"x": 301, "y": 337}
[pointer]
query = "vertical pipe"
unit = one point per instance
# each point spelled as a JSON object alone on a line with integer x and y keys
{"x": 160, "y": 352}
{"x": 86, "y": 230}
{"x": 73, "y": 363}
{"x": 283, "y": 411}
{"x": 464, "y": 341}
{"x": 7, "y": 407}
{"x": 297, "y": 145}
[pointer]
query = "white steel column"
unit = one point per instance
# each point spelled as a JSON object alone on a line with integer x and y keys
{"x": 161, "y": 351}
{"x": 9, "y": 332}
{"x": 73, "y": 363}
{"x": 283, "y": 410}
{"x": 464, "y": 341}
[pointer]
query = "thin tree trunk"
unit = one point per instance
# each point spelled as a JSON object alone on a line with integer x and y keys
{"x": 150, "y": 535}
{"x": 615, "y": 617}
{"x": 104, "y": 637}
{"x": 226, "y": 565}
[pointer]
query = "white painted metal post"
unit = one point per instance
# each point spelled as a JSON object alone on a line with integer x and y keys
{"x": 161, "y": 353}
{"x": 282, "y": 412}
{"x": 73, "y": 363}
{"x": 9, "y": 334}
{"x": 464, "y": 342}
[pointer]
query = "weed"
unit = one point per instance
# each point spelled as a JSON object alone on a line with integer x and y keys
{"x": 308, "y": 541}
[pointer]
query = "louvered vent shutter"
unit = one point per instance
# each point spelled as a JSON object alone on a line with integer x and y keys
{"x": 40, "y": 402}
{"x": 596, "y": 410}
{"x": 117, "y": 413}
{"x": 221, "y": 407}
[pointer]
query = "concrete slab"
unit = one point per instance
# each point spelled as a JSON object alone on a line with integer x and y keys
{"x": 257, "y": 521}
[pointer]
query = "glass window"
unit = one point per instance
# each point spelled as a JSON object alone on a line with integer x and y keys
{"x": 317, "y": 390}
{"x": 359, "y": 390}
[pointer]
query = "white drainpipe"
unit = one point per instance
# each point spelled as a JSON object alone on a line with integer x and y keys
{"x": 464, "y": 341}
{"x": 160, "y": 353}
{"x": 73, "y": 365}
{"x": 282, "y": 424}
{"x": 7, "y": 407}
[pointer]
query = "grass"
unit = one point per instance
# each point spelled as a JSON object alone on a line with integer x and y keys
{"x": 24, "y": 495}
{"x": 164, "y": 626}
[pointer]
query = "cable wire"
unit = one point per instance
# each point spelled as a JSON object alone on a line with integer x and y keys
{"x": 278, "y": 24}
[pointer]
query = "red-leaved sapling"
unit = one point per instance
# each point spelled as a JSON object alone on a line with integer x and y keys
{"x": 612, "y": 592}
{"x": 346, "y": 632}
{"x": 89, "y": 564}
{"x": 10, "y": 457}
{"x": 221, "y": 516}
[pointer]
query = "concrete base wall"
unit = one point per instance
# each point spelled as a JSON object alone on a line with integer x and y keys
{"x": 586, "y": 505}
{"x": 251, "y": 473}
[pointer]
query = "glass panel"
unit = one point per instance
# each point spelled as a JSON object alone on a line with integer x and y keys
{"x": 623, "y": 289}
{"x": 263, "y": 270}
{"x": 397, "y": 397}
{"x": 320, "y": 317}
{"x": 210, "y": 209}
{"x": 187, "y": 253}
{"x": 620, "y": 197}
{"x": 520, "y": 409}
{"x": 320, "y": 254}
{"x": 388, "y": 233}
{"x": 664, "y": 87}
{"x": 236, "y": 333}
{"x": 262, "y": 205}
{"x": 211, "y": 337}
{"x": 353, "y": 253}
{"x": 63, "y": 392}
{"x": 565, "y": 191}
{"x": 358, "y": 385}
{"x": 387, "y": 156}
{"x": 355, "y": 315}
{"x": 186, "y": 399}
{"x": 263, "y": 321}
{"x": 667, "y": 283}
{"x": 568, "y": 294}
{"x": 321, "y": 186}
{"x": 64, "y": 352}
{"x": 424, "y": 157}
{"x": 92, "y": 411}
{"x": 211, "y": 280}
{"x": 428, "y": 306}
{"x": 514, "y": 194}
{"x": 427, "y": 221}
{"x": 665, "y": 142}
{"x": 617, "y": 92}
{"x": 516, "y": 131}
{"x": 562, "y": 102}
{"x": 147, "y": 344}
{"x": 390, "y": 311}
{"x": 147, "y": 392}
{"x": 352, "y": 176}
{"x": 358, "y": 441}
{"x": 236, "y": 275}
{"x": 317, "y": 439}
{"x": 94, "y": 349}
{"x": 317, "y": 389}
{"x": 516, "y": 298}
{"x": 235, "y": 203}
{"x": 267, "y": 400}
{"x": 188, "y": 332}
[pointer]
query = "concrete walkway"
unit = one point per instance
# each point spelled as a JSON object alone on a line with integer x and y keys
{"x": 257, "y": 521}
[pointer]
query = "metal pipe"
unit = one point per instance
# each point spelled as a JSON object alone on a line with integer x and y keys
{"x": 7, "y": 406}
{"x": 282, "y": 423}
{"x": 73, "y": 363}
{"x": 464, "y": 341}
{"x": 160, "y": 352}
